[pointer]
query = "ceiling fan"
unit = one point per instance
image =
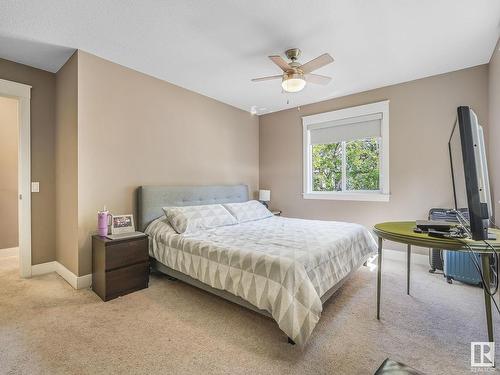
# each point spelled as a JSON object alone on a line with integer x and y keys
{"x": 295, "y": 75}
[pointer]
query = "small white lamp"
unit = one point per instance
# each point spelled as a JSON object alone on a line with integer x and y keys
{"x": 264, "y": 196}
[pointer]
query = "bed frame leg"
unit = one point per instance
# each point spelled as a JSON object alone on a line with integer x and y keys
{"x": 290, "y": 341}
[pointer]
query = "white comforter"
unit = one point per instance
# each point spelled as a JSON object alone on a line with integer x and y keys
{"x": 278, "y": 264}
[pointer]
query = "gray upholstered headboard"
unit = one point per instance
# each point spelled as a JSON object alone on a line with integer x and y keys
{"x": 151, "y": 199}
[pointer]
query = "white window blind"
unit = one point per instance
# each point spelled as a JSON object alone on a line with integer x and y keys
{"x": 342, "y": 126}
{"x": 347, "y": 129}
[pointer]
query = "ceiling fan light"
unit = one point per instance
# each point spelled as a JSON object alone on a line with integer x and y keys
{"x": 293, "y": 82}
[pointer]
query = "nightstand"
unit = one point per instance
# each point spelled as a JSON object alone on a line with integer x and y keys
{"x": 119, "y": 266}
{"x": 276, "y": 212}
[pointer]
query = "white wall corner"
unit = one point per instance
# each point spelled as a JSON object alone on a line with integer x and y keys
{"x": 77, "y": 282}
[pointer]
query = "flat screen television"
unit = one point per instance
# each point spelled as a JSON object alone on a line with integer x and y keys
{"x": 469, "y": 172}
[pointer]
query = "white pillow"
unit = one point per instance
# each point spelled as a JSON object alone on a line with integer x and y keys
{"x": 248, "y": 211}
{"x": 188, "y": 219}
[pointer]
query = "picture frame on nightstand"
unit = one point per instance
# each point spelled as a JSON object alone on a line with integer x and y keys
{"x": 122, "y": 224}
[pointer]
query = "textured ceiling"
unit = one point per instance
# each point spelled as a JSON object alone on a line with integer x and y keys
{"x": 214, "y": 47}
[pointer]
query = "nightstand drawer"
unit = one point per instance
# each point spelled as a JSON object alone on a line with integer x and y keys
{"x": 127, "y": 279}
{"x": 126, "y": 253}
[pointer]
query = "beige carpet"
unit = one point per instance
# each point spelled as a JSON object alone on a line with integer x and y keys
{"x": 46, "y": 327}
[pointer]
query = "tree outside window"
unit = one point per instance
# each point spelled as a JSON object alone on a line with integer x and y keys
{"x": 347, "y": 165}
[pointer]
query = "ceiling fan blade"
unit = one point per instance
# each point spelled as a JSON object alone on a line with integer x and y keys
{"x": 280, "y": 62}
{"x": 318, "y": 79}
{"x": 266, "y": 78}
{"x": 317, "y": 63}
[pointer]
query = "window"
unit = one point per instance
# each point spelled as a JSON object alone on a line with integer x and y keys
{"x": 346, "y": 154}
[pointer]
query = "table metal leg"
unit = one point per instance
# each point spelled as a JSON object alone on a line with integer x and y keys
{"x": 485, "y": 259}
{"x": 379, "y": 275}
{"x": 408, "y": 262}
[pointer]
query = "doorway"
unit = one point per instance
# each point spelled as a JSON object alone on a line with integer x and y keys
{"x": 9, "y": 134}
{"x": 15, "y": 175}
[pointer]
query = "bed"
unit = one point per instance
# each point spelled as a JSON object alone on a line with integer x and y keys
{"x": 280, "y": 267}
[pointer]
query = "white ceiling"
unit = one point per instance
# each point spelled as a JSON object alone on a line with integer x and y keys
{"x": 214, "y": 47}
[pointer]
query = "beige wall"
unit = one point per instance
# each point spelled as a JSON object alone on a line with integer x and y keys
{"x": 42, "y": 155}
{"x": 104, "y": 109}
{"x": 136, "y": 130}
{"x": 422, "y": 113}
{"x": 66, "y": 165}
{"x": 9, "y": 134}
{"x": 494, "y": 127}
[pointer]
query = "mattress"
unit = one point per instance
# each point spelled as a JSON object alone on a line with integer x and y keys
{"x": 280, "y": 265}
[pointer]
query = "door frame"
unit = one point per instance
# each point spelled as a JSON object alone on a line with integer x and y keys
{"x": 22, "y": 93}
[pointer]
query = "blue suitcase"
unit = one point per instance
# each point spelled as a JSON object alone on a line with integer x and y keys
{"x": 459, "y": 266}
{"x": 456, "y": 265}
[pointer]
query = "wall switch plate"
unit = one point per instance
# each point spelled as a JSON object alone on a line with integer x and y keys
{"x": 35, "y": 187}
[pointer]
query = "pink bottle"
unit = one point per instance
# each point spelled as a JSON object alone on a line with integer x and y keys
{"x": 102, "y": 222}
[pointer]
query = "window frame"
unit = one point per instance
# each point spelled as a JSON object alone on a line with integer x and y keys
{"x": 315, "y": 121}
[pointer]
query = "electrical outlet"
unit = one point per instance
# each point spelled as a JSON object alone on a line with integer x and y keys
{"x": 35, "y": 187}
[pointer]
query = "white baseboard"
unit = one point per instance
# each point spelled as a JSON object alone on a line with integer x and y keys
{"x": 77, "y": 282}
{"x": 85, "y": 281}
{"x": 9, "y": 252}
{"x": 42, "y": 269}
{"x": 400, "y": 256}
{"x": 9, "y": 249}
